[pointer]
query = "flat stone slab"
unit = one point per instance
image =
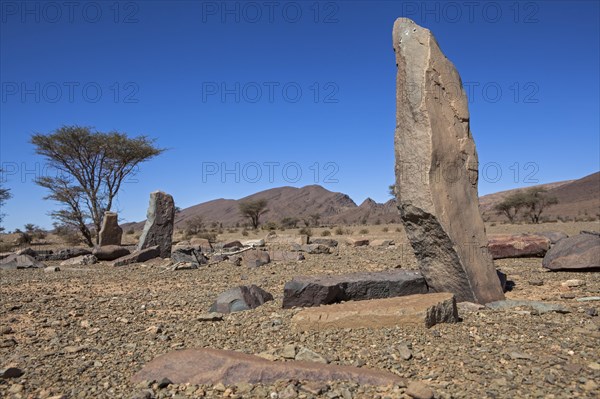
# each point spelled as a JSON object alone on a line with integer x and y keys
{"x": 541, "y": 307}
{"x": 212, "y": 366}
{"x": 422, "y": 309}
{"x": 15, "y": 261}
{"x": 138, "y": 256}
{"x": 503, "y": 246}
{"x": 307, "y": 291}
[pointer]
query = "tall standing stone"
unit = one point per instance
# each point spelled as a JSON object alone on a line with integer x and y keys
{"x": 110, "y": 233}
{"x": 436, "y": 170}
{"x": 159, "y": 224}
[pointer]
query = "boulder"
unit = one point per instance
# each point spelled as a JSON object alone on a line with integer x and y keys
{"x": 110, "y": 252}
{"x": 553, "y": 236}
{"x": 518, "y": 246}
{"x": 306, "y": 291}
{"x": 16, "y": 261}
{"x": 212, "y": 366}
{"x": 540, "y": 307}
{"x": 138, "y": 256}
{"x": 83, "y": 260}
{"x": 110, "y": 233}
{"x": 425, "y": 310}
{"x": 240, "y": 298}
{"x": 188, "y": 255}
{"x": 255, "y": 258}
{"x": 437, "y": 170}
{"x": 330, "y": 242}
{"x": 357, "y": 242}
{"x": 580, "y": 252}
{"x": 159, "y": 224}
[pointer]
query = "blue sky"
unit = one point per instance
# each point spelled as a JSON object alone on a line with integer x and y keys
{"x": 253, "y": 95}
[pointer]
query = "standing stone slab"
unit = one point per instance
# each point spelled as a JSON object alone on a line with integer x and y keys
{"x": 304, "y": 291}
{"x": 110, "y": 233}
{"x": 436, "y": 170}
{"x": 159, "y": 224}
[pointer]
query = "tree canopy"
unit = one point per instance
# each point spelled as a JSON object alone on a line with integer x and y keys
{"x": 253, "y": 210}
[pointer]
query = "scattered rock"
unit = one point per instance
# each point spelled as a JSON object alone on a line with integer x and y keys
{"x": 309, "y": 356}
{"x": 110, "y": 252}
{"x": 191, "y": 255}
{"x": 580, "y": 252}
{"x": 110, "y": 233}
{"x": 255, "y": 258}
{"x": 404, "y": 351}
{"x": 328, "y": 242}
{"x": 573, "y": 283}
{"x": 469, "y": 307}
{"x": 240, "y": 298}
{"x": 305, "y": 291}
{"x": 518, "y": 246}
{"x": 51, "y": 269}
{"x": 381, "y": 243}
{"x": 536, "y": 283}
{"x": 313, "y": 249}
{"x": 159, "y": 224}
{"x": 231, "y": 244}
{"x": 254, "y": 243}
{"x": 588, "y": 299}
{"x": 278, "y": 255}
{"x": 63, "y": 254}
{"x": 540, "y": 307}
{"x": 20, "y": 262}
{"x": 201, "y": 244}
{"x": 82, "y": 260}
{"x": 439, "y": 205}
{"x": 210, "y": 366}
{"x": 213, "y": 316}
{"x": 553, "y": 236}
{"x": 138, "y": 256}
{"x": 11, "y": 372}
{"x": 421, "y": 309}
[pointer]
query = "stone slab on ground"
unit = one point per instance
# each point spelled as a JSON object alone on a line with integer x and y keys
{"x": 307, "y": 291}
{"x": 503, "y": 246}
{"x": 110, "y": 252}
{"x": 240, "y": 298}
{"x": 15, "y": 261}
{"x": 421, "y": 309}
{"x": 580, "y": 252}
{"x": 213, "y": 366}
{"x": 138, "y": 256}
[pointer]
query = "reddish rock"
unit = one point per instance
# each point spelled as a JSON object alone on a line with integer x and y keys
{"x": 138, "y": 256}
{"x": 212, "y": 366}
{"x": 255, "y": 258}
{"x": 517, "y": 246}
{"x": 110, "y": 252}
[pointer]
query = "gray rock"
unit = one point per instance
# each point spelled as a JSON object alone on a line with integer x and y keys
{"x": 138, "y": 256}
{"x": 63, "y": 254}
{"x": 11, "y": 372}
{"x": 330, "y": 242}
{"x": 110, "y": 252}
{"x": 553, "y": 236}
{"x": 110, "y": 233}
{"x": 540, "y": 307}
{"x": 580, "y": 252}
{"x": 159, "y": 224}
{"x": 188, "y": 255}
{"x": 240, "y": 298}
{"x": 307, "y": 291}
{"x": 20, "y": 262}
{"x": 436, "y": 170}
{"x": 255, "y": 258}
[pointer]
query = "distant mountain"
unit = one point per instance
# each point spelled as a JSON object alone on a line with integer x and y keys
{"x": 577, "y": 198}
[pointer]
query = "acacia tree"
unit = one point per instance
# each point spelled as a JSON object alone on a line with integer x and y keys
{"x": 535, "y": 200}
{"x": 91, "y": 166}
{"x": 253, "y": 209}
{"x": 510, "y": 206}
{"x": 5, "y": 195}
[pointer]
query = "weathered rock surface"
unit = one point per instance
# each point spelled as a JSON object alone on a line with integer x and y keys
{"x": 110, "y": 233}
{"x": 538, "y": 306}
{"x": 138, "y": 256}
{"x": 63, "y": 254}
{"x": 436, "y": 170}
{"x": 110, "y": 252}
{"x": 580, "y": 252}
{"x": 212, "y": 366}
{"x": 307, "y": 291}
{"x": 330, "y": 242}
{"x": 159, "y": 223}
{"x": 192, "y": 255}
{"x": 420, "y": 309}
{"x": 553, "y": 236}
{"x": 312, "y": 248}
{"x": 279, "y": 255}
{"x": 255, "y": 258}
{"x": 240, "y": 298}
{"x": 357, "y": 242}
{"x": 83, "y": 260}
{"x": 518, "y": 245}
{"x": 20, "y": 262}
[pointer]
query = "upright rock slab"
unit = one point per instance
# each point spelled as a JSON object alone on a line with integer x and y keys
{"x": 110, "y": 233}
{"x": 436, "y": 170}
{"x": 159, "y": 224}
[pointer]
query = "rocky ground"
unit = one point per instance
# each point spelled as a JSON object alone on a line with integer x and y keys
{"x": 83, "y": 332}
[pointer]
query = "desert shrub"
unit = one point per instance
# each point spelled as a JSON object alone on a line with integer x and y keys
{"x": 339, "y": 231}
{"x": 325, "y": 233}
{"x": 245, "y": 233}
{"x": 210, "y": 236}
{"x": 398, "y": 230}
{"x": 385, "y": 229}
{"x": 363, "y": 231}
{"x": 270, "y": 226}
{"x": 493, "y": 224}
{"x": 6, "y": 247}
{"x": 306, "y": 231}
{"x": 378, "y": 222}
{"x": 130, "y": 232}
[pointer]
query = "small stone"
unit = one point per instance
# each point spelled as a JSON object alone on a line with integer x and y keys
{"x": 289, "y": 351}
{"x": 590, "y": 385}
{"x": 568, "y": 295}
{"x": 573, "y": 283}
{"x": 591, "y": 312}
{"x": 404, "y": 351}
{"x": 308, "y": 355}
{"x": 17, "y": 388}
{"x": 536, "y": 283}
{"x": 518, "y": 355}
{"x": 419, "y": 390}
{"x": 594, "y": 366}
{"x": 588, "y": 299}
{"x": 51, "y": 269}
{"x": 165, "y": 382}
{"x": 315, "y": 388}
{"x": 8, "y": 343}
{"x": 11, "y": 372}
{"x": 6, "y": 330}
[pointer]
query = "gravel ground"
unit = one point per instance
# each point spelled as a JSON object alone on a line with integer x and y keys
{"x": 83, "y": 332}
